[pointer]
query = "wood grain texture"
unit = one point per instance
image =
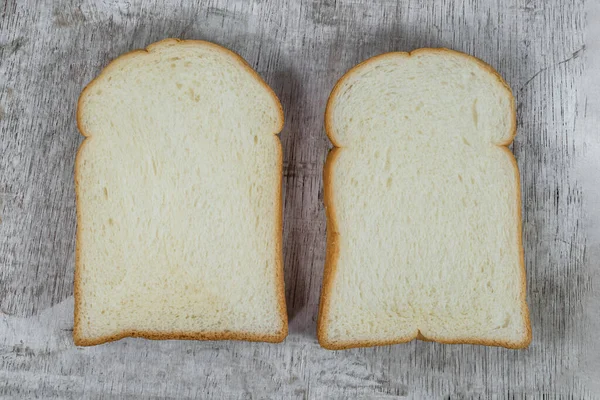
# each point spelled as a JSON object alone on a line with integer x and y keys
{"x": 50, "y": 49}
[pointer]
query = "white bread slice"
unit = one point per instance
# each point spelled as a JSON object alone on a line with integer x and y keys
{"x": 179, "y": 199}
{"x": 423, "y": 206}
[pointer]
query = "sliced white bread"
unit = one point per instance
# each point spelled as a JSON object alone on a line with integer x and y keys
{"x": 423, "y": 206}
{"x": 178, "y": 188}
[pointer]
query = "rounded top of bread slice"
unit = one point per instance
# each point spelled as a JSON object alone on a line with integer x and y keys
{"x": 426, "y": 82}
{"x": 248, "y": 96}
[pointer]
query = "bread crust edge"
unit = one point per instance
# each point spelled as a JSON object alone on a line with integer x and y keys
{"x": 78, "y": 338}
{"x": 332, "y": 248}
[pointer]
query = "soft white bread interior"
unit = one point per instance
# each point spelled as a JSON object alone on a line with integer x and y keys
{"x": 179, "y": 199}
{"x": 423, "y": 206}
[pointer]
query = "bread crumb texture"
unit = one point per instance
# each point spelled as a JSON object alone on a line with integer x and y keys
{"x": 179, "y": 199}
{"x": 423, "y": 199}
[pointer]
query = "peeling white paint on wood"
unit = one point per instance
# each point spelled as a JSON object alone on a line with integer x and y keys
{"x": 50, "y": 49}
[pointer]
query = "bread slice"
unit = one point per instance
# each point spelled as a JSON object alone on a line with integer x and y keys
{"x": 178, "y": 187}
{"x": 423, "y": 206}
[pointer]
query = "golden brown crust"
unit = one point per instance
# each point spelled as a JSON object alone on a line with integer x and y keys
{"x": 332, "y": 249}
{"x": 82, "y": 341}
{"x": 332, "y": 232}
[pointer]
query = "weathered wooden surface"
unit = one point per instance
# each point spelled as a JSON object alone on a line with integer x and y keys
{"x": 50, "y": 50}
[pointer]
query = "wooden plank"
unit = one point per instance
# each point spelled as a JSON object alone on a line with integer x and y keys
{"x": 49, "y": 50}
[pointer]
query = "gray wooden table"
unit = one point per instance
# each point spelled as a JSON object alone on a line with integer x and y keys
{"x": 548, "y": 51}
